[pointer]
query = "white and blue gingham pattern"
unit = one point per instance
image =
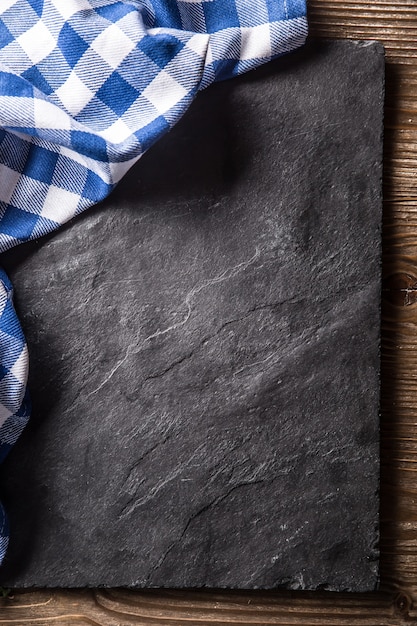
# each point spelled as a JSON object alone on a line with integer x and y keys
{"x": 14, "y": 400}
{"x": 86, "y": 87}
{"x": 14, "y": 405}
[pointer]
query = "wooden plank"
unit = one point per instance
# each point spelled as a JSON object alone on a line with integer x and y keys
{"x": 395, "y": 24}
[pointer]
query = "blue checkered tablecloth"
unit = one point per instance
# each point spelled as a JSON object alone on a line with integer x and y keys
{"x": 86, "y": 87}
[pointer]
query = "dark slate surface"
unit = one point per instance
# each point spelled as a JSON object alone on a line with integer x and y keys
{"x": 204, "y": 350}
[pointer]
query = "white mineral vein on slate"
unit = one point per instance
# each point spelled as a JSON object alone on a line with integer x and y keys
{"x": 134, "y": 349}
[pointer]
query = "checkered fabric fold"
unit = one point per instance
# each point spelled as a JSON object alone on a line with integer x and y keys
{"x": 14, "y": 400}
{"x": 86, "y": 87}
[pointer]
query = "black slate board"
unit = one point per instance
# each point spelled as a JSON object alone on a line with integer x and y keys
{"x": 205, "y": 350}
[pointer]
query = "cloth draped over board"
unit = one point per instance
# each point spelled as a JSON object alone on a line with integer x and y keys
{"x": 86, "y": 87}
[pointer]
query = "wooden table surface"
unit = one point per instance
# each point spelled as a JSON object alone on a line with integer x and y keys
{"x": 394, "y": 22}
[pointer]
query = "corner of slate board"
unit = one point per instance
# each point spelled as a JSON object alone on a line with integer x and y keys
{"x": 205, "y": 350}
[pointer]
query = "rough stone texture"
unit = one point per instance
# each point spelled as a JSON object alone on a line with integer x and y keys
{"x": 205, "y": 350}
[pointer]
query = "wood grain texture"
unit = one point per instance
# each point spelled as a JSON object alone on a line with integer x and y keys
{"x": 395, "y": 24}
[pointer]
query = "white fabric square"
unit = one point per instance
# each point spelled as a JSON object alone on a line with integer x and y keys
{"x": 48, "y": 115}
{"x": 8, "y": 181}
{"x": 20, "y": 368}
{"x": 67, "y": 8}
{"x": 112, "y": 45}
{"x": 164, "y": 92}
{"x": 117, "y": 132}
{"x": 37, "y": 42}
{"x": 256, "y": 43}
{"x": 118, "y": 170}
{"x": 199, "y": 44}
{"x": 5, "y": 5}
{"x": 60, "y": 205}
{"x": 74, "y": 94}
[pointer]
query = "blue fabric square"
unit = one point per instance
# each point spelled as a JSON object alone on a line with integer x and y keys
{"x": 161, "y": 48}
{"x": 40, "y": 164}
{"x": 34, "y": 76}
{"x": 115, "y": 11}
{"x": 37, "y": 6}
{"x": 220, "y": 14}
{"x": 296, "y": 8}
{"x": 117, "y": 94}
{"x": 146, "y": 135}
{"x": 5, "y": 280}
{"x": 18, "y": 223}
{"x": 225, "y": 69}
{"x": 13, "y": 85}
{"x": 166, "y": 14}
{"x": 5, "y": 35}
{"x": 95, "y": 188}
{"x": 71, "y": 45}
{"x": 3, "y": 371}
{"x": 89, "y": 144}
